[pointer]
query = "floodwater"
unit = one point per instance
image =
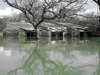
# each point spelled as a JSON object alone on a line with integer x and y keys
{"x": 48, "y": 56}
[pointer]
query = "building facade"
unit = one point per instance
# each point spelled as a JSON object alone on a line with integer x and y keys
{"x": 46, "y": 29}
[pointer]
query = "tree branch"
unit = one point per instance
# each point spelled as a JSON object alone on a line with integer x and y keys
{"x": 14, "y": 5}
{"x": 95, "y": 1}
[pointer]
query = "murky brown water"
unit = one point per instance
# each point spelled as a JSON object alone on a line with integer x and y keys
{"x": 47, "y": 56}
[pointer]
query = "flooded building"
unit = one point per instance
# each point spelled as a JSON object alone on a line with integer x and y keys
{"x": 45, "y": 29}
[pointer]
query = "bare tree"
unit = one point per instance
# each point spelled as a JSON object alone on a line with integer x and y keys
{"x": 36, "y": 11}
{"x": 18, "y": 17}
{"x": 98, "y": 17}
{"x": 3, "y": 22}
{"x": 97, "y": 2}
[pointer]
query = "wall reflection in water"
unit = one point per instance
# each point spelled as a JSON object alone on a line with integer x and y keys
{"x": 67, "y": 56}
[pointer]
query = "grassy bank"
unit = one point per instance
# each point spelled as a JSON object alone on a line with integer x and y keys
{"x": 1, "y": 33}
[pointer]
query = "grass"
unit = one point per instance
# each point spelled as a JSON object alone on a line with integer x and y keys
{"x": 1, "y": 33}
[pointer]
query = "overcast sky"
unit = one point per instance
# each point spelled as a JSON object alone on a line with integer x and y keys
{"x": 6, "y": 10}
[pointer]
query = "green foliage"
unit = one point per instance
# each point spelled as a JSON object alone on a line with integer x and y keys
{"x": 1, "y": 33}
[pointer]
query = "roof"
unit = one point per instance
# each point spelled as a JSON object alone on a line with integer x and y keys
{"x": 22, "y": 25}
{"x": 48, "y": 24}
{"x": 60, "y": 24}
{"x": 28, "y": 26}
{"x": 70, "y": 25}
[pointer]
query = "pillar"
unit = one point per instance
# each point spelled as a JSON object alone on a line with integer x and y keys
{"x": 49, "y": 33}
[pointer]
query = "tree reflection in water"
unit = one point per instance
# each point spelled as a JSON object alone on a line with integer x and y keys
{"x": 59, "y": 58}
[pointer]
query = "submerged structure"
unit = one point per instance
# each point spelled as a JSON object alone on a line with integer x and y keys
{"x": 48, "y": 29}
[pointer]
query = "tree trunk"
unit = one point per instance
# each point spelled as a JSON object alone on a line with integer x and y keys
{"x": 37, "y": 33}
{"x": 97, "y": 29}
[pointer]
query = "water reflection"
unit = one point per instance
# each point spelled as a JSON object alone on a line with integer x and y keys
{"x": 69, "y": 56}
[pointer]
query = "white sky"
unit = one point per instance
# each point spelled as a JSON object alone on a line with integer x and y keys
{"x": 92, "y": 7}
{"x": 6, "y": 10}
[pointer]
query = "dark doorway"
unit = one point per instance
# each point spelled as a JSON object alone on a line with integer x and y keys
{"x": 61, "y": 34}
{"x": 89, "y": 33}
{"x": 81, "y": 33}
{"x": 57, "y": 35}
{"x": 53, "y": 34}
{"x": 31, "y": 34}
